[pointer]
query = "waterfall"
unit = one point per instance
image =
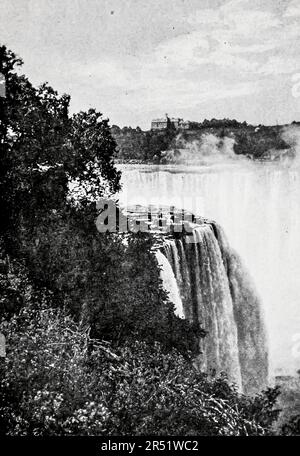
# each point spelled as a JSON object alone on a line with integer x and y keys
{"x": 258, "y": 205}
{"x": 213, "y": 288}
{"x": 208, "y": 284}
{"x": 169, "y": 282}
{"x": 249, "y": 318}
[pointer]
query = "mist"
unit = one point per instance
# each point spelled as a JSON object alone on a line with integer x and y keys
{"x": 208, "y": 150}
{"x": 291, "y": 135}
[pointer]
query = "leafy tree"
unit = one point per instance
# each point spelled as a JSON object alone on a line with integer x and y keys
{"x": 114, "y": 288}
{"x": 43, "y": 149}
{"x": 92, "y": 148}
{"x": 58, "y": 381}
{"x": 107, "y": 281}
{"x": 135, "y": 306}
{"x": 33, "y": 125}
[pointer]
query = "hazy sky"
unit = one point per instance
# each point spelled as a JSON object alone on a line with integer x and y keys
{"x": 138, "y": 59}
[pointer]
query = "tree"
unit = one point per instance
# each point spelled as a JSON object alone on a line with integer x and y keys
{"x": 114, "y": 287}
{"x": 59, "y": 381}
{"x": 34, "y": 123}
{"x": 92, "y": 148}
{"x": 43, "y": 149}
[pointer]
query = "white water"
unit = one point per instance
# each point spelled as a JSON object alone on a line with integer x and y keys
{"x": 169, "y": 282}
{"x": 209, "y": 300}
{"x": 259, "y": 208}
{"x": 217, "y": 292}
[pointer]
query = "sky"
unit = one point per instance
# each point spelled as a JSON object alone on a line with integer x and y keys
{"x": 135, "y": 60}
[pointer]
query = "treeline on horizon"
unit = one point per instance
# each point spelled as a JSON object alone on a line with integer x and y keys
{"x": 135, "y": 144}
{"x": 93, "y": 346}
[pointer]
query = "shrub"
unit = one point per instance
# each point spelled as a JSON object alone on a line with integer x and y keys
{"x": 56, "y": 380}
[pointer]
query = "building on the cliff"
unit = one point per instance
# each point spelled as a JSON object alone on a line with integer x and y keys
{"x": 162, "y": 123}
{"x": 159, "y": 124}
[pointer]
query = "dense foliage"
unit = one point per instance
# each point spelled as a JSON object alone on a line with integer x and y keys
{"x": 43, "y": 149}
{"x": 93, "y": 345}
{"x": 153, "y": 146}
{"x": 58, "y": 381}
{"x": 135, "y": 144}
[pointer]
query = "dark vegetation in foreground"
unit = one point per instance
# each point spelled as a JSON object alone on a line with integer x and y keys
{"x": 92, "y": 343}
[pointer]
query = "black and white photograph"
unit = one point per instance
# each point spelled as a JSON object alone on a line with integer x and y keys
{"x": 150, "y": 222}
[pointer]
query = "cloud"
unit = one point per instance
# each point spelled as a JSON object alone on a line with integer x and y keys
{"x": 107, "y": 72}
{"x": 248, "y": 49}
{"x": 248, "y": 22}
{"x": 174, "y": 74}
{"x": 225, "y": 53}
{"x": 235, "y": 19}
{"x": 184, "y": 49}
{"x": 175, "y": 96}
{"x": 293, "y": 9}
{"x": 204, "y": 17}
{"x": 277, "y": 65}
{"x": 193, "y": 50}
{"x": 240, "y": 38}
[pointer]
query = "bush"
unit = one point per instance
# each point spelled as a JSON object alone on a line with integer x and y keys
{"x": 56, "y": 380}
{"x": 292, "y": 427}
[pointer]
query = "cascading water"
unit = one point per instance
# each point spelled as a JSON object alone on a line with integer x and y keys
{"x": 216, "y": 291}
{"x": 169, "y": 281}
{"x": 258, "y": 205}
